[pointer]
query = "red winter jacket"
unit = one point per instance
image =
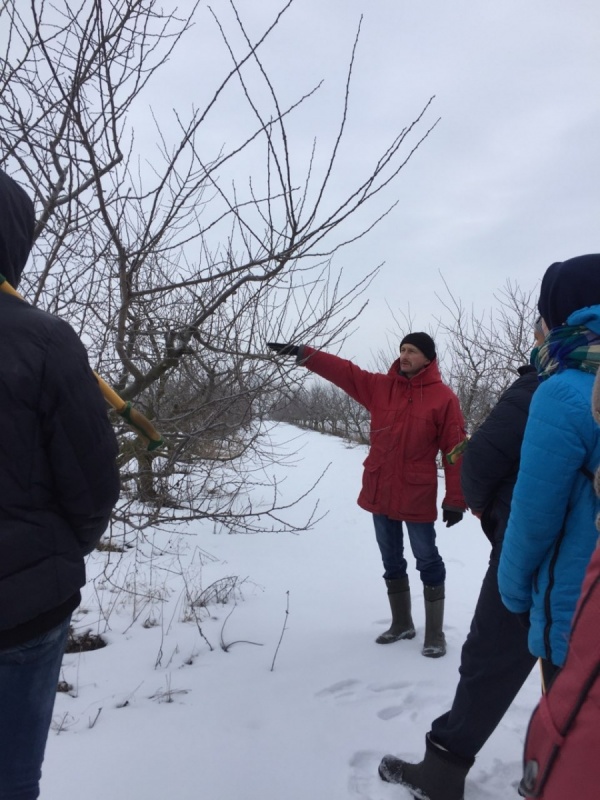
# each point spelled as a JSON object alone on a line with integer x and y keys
{"x": 411, "y": 421}
{"x": 562, "y": 748}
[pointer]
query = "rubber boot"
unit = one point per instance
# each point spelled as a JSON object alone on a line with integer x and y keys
{"x": 435, "y": 641}
{"x": 440, "y": 776}
{"x": 402, "y": 626}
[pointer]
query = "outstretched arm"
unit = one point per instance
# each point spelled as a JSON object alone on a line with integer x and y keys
{"x": 353, "y": 380}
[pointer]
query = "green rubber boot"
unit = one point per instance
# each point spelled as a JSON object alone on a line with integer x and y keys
{"x": 402, "y": 626}
{"x": 435, "y": 641}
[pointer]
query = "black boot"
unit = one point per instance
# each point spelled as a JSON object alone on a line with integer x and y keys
{"x": 402, "y": 626}
{"x": 435, "y": 641}
{"x": 440, "y": 776}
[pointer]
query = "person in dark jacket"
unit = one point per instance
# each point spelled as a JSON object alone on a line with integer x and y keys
{"x": 59, "y": 485}
{"x": 495, "y": 659}
{"x": 414, "y": 415}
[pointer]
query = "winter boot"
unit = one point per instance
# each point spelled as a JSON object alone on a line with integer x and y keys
{"x": 402, "y": 626}
{"x": 435, "y": 641}
{"x": 440, "y": 776}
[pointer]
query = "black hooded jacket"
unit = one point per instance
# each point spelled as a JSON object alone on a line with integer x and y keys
{"x": 491, "y": 460}
{"x": 58, "y": 476}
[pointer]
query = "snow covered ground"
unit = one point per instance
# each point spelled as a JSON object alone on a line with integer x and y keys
{"x": 304, "y": 713}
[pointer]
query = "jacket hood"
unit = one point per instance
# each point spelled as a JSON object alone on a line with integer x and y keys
{"x": 587, "y": 317}
{"x": 429, "y": 374}
{"x": 17, "y": 221}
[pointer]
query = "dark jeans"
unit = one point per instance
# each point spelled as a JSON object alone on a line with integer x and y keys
{"x": 494, "y": 664}
{"x": 28, "y": 677}
{"x": 390, "y": 538}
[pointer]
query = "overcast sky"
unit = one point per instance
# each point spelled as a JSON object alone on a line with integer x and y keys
{"x": 509, "y": 180}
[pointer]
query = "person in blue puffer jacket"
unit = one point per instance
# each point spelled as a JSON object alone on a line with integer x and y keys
{"x": 551, "y": 531}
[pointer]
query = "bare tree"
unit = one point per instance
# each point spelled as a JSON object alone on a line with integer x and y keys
{"x": 484, "y": 348}
{"x": 355, "y": 419}
{"x": 172, "y": 268}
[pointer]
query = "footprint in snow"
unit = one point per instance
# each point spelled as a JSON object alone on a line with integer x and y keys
{"x": 351, "y": 686}
{"x": 340, "y": 689}
{"x": 390, "y": 687}
{"x": 391, "y": 712}
{"x": 407, "y": 702}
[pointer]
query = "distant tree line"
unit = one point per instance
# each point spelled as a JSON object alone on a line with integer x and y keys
{"x": 324, "y": 408}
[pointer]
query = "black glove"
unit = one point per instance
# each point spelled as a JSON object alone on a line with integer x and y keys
{"x": 284, "y": 349}
{"x": 451, "y": 517}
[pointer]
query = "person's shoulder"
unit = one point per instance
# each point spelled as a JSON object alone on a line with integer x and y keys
{"x": 522, "y": 387}
{"x": 445, "y": 390}
{"x": 37, "y": 316}
{"x": 432, "y": 377}
{"x": 567, "y": 395}
{"x": 30, "y": 322}
{"x": 527, "y": 374}
{"x": 569, "y": 385}
{"x": 55, "y": 335}
{"x": 527, "y": 381}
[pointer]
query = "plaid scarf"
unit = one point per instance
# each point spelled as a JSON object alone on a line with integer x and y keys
{"x": 568, "y": 347}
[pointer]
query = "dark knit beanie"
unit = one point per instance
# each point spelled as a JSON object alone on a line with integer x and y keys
{"x": 568, "y": 286}
{"x": 423, "y": 341}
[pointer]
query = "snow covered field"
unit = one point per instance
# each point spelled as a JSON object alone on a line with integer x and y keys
{"x": 304, "y": 713}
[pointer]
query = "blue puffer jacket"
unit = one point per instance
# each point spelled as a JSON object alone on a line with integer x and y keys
{"x": 551, "y": 531}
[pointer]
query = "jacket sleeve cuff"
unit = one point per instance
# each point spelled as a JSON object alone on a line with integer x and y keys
{"x": 514, "y": 605}
{"x": 451, "y": 507}
{"x": 304, "y": 353}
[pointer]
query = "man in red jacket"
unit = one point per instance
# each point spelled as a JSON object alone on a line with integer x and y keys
{"x": 414, "y": 416}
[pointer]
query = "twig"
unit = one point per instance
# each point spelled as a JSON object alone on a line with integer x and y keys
{"x": 226, "y": 647}
{"x": 95, "y": 720}
{"x": 287, "y": 613}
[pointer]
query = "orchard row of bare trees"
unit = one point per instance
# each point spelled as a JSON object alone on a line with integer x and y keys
{"x": 324, "y": 408}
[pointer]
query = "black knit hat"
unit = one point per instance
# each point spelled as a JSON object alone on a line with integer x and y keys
{"x": 423, "y": 341}
{"x": 568, "y": 286}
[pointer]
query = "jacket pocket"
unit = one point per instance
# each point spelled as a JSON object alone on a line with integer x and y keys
{"x": 421, "y": 491}
{"x": 370, "y": 482}
{"x": 421, "y": 477}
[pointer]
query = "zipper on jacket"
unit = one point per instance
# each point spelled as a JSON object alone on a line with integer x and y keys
{"x": 549, "y": 588}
